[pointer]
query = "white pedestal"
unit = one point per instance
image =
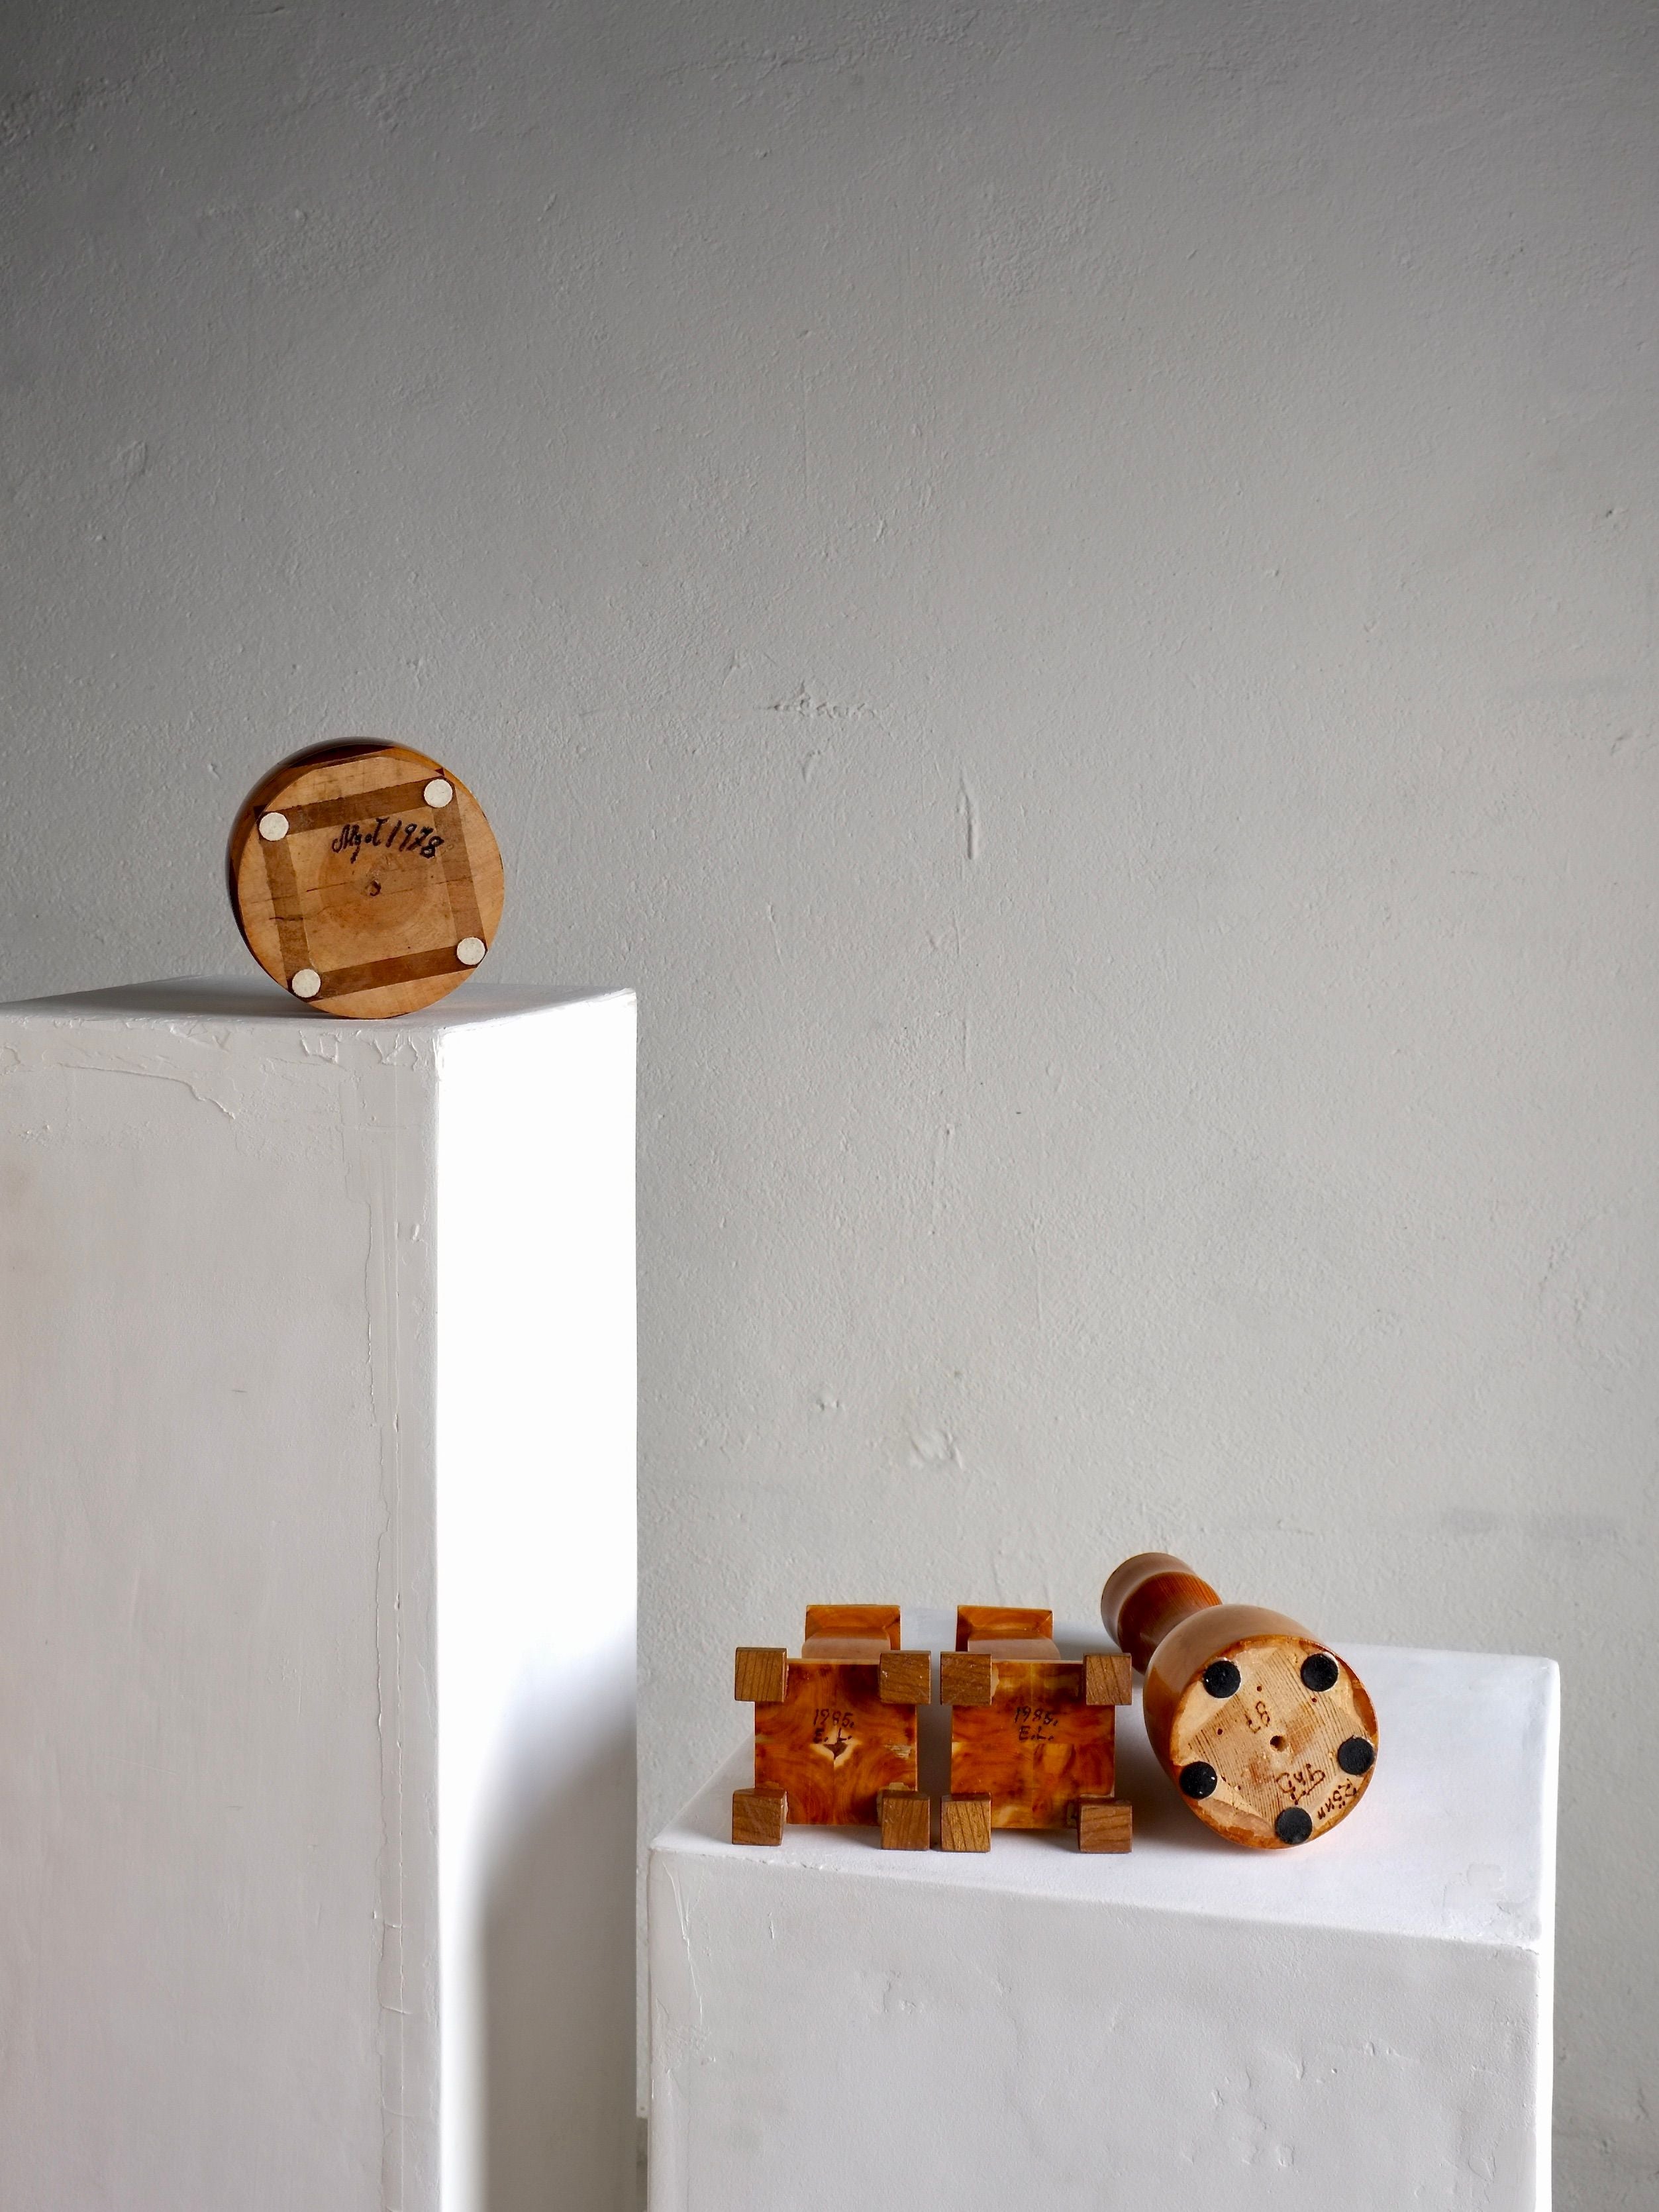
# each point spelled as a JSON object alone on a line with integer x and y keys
{"x": 1193, "y": 2027}
{"x": 316, "y": 1589}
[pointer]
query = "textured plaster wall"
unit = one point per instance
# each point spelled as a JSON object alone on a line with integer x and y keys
{"x": 1070, "y": 592}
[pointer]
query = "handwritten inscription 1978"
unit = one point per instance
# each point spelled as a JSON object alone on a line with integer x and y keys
{"x": 403, "y": 837}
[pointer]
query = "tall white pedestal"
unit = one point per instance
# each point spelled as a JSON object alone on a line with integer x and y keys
{"x": 1191, "y": 2029}
{"x": 317, "y": 1589}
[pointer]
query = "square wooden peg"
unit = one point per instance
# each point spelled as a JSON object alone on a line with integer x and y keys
{"x": 906, "y": 1678}
{"x": 1108, "y": 1678}
{"x": 907, "y": 1821}
{"x": 1103, "y": 1824}
{"x": 757, "y": 1816}
{"x": 964, "y": 1824}
{"x": 762, "y": 1674}
{"x": 965, "y": 1678}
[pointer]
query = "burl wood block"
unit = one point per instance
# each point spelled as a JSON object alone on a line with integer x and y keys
{"x": 835, "y": 1729}
{"x": 1033, "y": 1735}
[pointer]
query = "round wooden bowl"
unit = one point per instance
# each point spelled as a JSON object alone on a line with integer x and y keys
{"x": 365, "y": 879}
{"x": 1268, "y": 1735}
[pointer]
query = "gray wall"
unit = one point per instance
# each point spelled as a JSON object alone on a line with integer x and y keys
{"x": 1070, "y": 591}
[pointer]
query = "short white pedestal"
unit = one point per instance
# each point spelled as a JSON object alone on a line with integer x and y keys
{"x": 317, "y": 1587}
{"x": 1191, "y": 2029}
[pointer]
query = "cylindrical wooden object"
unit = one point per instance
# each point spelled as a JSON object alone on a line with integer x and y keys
{"x": 364, "y": 879}
{"x": 1267, "y": 1733}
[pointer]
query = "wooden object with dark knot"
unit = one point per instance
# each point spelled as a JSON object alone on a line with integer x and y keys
{"x": 835, "y": 1730}
{"x": 1033, "y": 1735}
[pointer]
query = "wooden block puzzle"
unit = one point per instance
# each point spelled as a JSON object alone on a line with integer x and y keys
{"x": 835, "y": 1729}
{"x": 1033, "y": 1737}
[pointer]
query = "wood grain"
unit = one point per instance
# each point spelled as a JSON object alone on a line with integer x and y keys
{"x": 1036, "y": 1748}
{"x": 966, "y": 1678}
{"x": 1103, "y": 1824}
{"x": 833, "y": 1745}
{"x": 1269, "y": 1735}
{"x": 1012, "y": 1646}
{"x": 371, "y": 888}
{"x": 906, "y": 1677}
{"x": 882, "y": 1620}
{"x": 835, "y": 1729}
{"x": 1273, "y": 1745}
{"x": 1146, "y": 1597}
{"x": 999, "y": 1621}
{"x": 907, "y": 1821}
{"x": 1108, "y": 1678}
{"x": 964, "y": 1824}
{"x": 757, "y": 1816}
{"x": 762, "y": 1675}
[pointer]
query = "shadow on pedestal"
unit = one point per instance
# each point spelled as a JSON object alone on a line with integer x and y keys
{"x": 559, "y": 2099}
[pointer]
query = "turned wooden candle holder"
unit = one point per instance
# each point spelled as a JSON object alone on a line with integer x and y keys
{"x": 1269, "y": 1736}
{"x": 1033, "y": 1736}
{"x": 835, "y": 1730}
